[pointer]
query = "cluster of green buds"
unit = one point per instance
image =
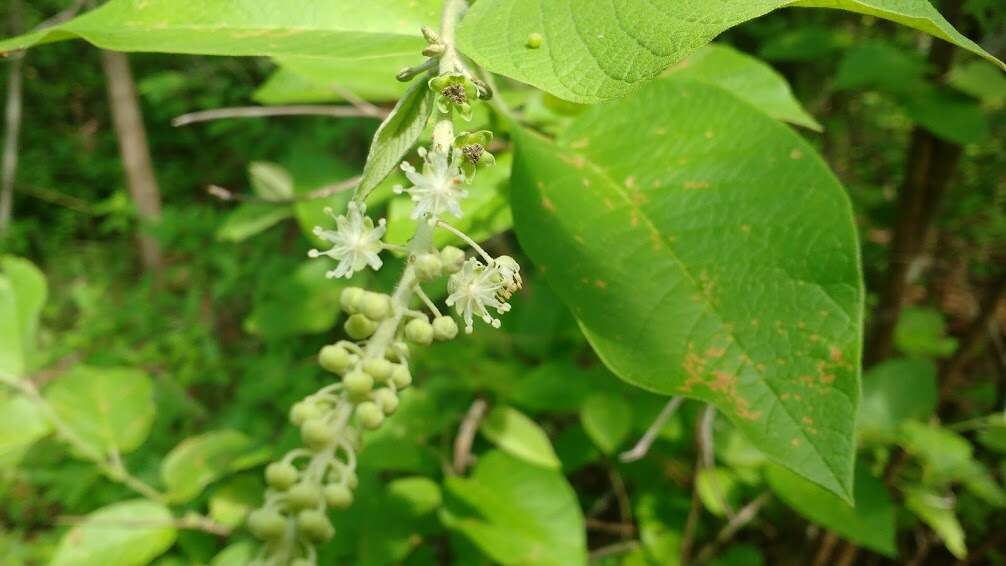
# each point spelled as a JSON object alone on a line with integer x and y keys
{"x": 382, "y": 330}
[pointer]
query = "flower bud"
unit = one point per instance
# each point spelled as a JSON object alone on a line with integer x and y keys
{"x": 401, "y": 376}
{"x": 428, "y": 266}
{"x": 304, "y": 496}
{"x": 338, "y": 496}
{"x": 303, "y": 411}
{"x": 266, "y": 524}
{"x": 453, "y": 259}
{"x": 419, "y": 331}
{"x": 444, "y": 328}
{"x": 315, "y": 525}
{"x": 358, "y": 384}
{"x": 378, "y": 368}
{"x": 335, "y": 358}
{"x": 375, "y": 306}
{"x": 349, "y": 298}
{"x": 398, "y": 352}
{"x": 359, "y": 327}
{"x": 350, "y": 479}
{"x": 387, "y": 400}
{"x": 281, "y": 475}
{"x": 316, "y": 433}
{"x": 370, "y": 415}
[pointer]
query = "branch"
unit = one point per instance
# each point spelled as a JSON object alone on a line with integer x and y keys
{"x": 739, "y": 521}
{"x": 270, "y": 111}
{"x": 466, "y": 435}
{"x": 12, "y": 126}
{"x": 643, "y": 446}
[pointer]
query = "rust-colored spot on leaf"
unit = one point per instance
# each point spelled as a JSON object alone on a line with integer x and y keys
{"x": 580, "y": 143}
{"x": 796, "y": 154}
{"x": 547, "y": 204}
{"x": 601, "y": 284}
{"x": 695, "y": 185}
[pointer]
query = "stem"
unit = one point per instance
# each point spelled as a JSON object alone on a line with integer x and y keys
{"x": 12, "y": 125}
{"x": 464, "y": 237}
{"x": 269, "y": 111}
{"x": 426, "y": 300}
{"x": 643, "y": 446}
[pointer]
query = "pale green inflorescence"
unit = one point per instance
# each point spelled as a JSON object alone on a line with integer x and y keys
{"x": 373, "y": 364}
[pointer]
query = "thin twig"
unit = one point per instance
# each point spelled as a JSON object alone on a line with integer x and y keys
{"x": 708, "y": 458}
{"x": 695, "y": 508}
{"x": 228, "y": 195}
{"x": 623, "y": 530}
{"x": 646, "y": 441}
{"x": 12, "y": 126}
{"x": 623, "y": 547}
{"x": 426, "y": 300}
{"x": 466, "y": 435}
{"x": 270, "y": 111}
{"x": 621, "y": 495}
{"x": 744, "y": 516}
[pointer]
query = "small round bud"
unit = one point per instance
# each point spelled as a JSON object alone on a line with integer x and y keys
{"x": 335, "y": 358}
{"x": 281, "y": 475}
{"x": 359, "y": 327}
{"x": 534, "y": 40}
{"x": 370, "y": 415}
{"x": 315, "y": 525}
{"x": 375, "y": 306}
{"x": 350, "y": 298}
{"x": 398, "y": 352}
{"x": 444, "y": 328}
{"x": 266, "y": 524}
{"x": 428, "y": 266}
{"x": 387, "y": 400}
{"x": 434, "y": 50}
{"x": 302, "y": 411}
{"x": 379, "y": 368}
{"x": 419, "y": 331}
{"x": 401, "y": 376}
{"x": 315, "y": 433}
{"x": 338, "y": 496}
{"x": 304, "y": 496}
{"x": 358, "y": 384}
{"x": 350, "y": 479}
{"x": 453, "y": 258}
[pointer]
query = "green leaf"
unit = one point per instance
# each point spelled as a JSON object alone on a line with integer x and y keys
{"x": 30, "y": 291}
{"x": 948, "y": 457}
{"x": 304, "y": 80}
{"x": 519, "y": 436}
{"x": 948, "y": 115}
{"x": 694, "y": 271}
{"x": 420, "y": 495}
{"x": 748, "y": 79}
{"x": 870, "y": 523}
{"x": 882, "y": 66}
{"x": 980, "y": 80}
{"x": 597, "y": 51}
{"x": 109, "y": 408}
{"x": 527, "y": 514}
{"x": 396, "y": 136}
{"x": 22, "y": 423}
{"x": 270, "y": 181}
{"x": 232, "y": 501}
{"x": 607, "y": 420}
{"x": 130, "y": 533}
{"x": 305, "y": 302}
{"x": 248, "y": 27}
{"x": 200, "y": 460}
{"x": 893, "y": 392}
{"x": 238, "y": 554}
{"x": 251, "y": 218}
{"x": 922, "y": 332}
{"x": 717, "y": 486}
{"x": 938, "y": 513}
{"x": 12, "y": 360}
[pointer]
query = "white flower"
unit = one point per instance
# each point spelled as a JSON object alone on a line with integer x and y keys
{"x": 356, "y": 242}
{"x": 438, "y": 189}
{"x": 473, "y": 289}
{"x": 509, "y": 272}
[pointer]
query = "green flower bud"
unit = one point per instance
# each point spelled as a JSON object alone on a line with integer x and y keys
{"x": 398, "y": 352}
{"x": 375, "y": 306}
{"x": 358, "y": 384}
{"x": 401, "y": 376}
{"x": 266, "y": 524}
{"x": 338, "y": 496}
{"x": 359, "y": 327}
{"x": 453, "y": 259}
{"x": 302, "y": 411}
{"x": 350, "y": 298}
{"x": 444, "y": 328}
{"x": 335, "y": 358}
{"x": 379, "y": 368}
{"x": 387, "y": 400}
{"x": 419, "y": 331}
{"x": 316, "y": 433}
{"x": 280, "y": 475}
{"x": 370, "y": 415}
{"x": 315, "y": 525}
{"x": 428, "y": 266}
{"x": 350, "y": 479}
{"x": 304, "y": 496}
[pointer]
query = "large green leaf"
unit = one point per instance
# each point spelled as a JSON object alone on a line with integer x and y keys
{"x": 747, "y": 78}
{"x": 529, "y": 515}
{"x": 200, "y": 460}
{"x": 377, "y": 28}
{"x": 519, "y": 436}
{"x": 870, "y": 523}
{"x": 109, "y": 408}
{"x": 21, "y": 424}
{"x": 706, "y": 251}
{"x": 130, "y": 533}
{"x": 593, "y": 50}
{"x": 894, "y": 392}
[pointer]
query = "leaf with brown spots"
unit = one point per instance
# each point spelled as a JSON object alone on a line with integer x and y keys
{"x": 688, "y": 274}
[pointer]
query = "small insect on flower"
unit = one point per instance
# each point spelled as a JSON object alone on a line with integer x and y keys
{"x": 438, "y": 188}
{"x": 356, "y": 242}
{"x": 473, "y": 149}
{"x": 454, "y": 90}
{"x": 473, "y": 289}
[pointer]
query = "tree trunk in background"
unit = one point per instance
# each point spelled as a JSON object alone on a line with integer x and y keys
{"x": 135, "y": 152}
{"x": 12, "y": 124}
